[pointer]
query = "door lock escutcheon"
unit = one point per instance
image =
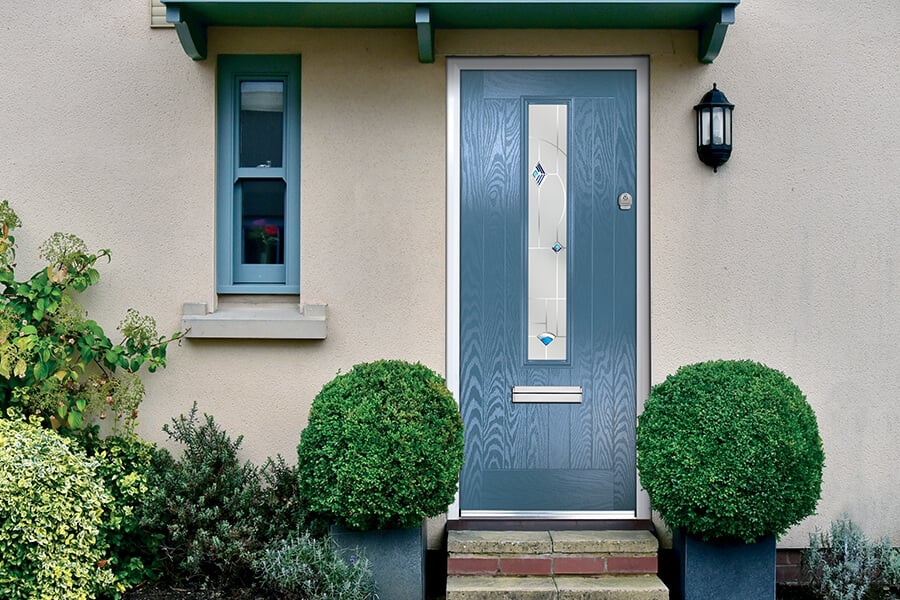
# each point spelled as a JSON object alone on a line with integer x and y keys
{"x": 625, "y": 201}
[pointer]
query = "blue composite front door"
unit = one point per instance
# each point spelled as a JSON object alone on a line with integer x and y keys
{"x": 547, "y": 291}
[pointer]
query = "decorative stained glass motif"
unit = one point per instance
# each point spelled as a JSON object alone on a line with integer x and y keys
{"x": 547, "y": 231}
{"x": 538, "y": 174}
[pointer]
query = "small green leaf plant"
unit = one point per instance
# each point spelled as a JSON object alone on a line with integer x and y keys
{"x": 843, "y": 564}
{"x": 51, "y": 511}
{"x": 302, "y": 567}
{"x": 730, "y": 449}
{"x": 55, "y": 363}
{"x": 215, "y": 514}
{"x": 383, "y": 447}
{"x": 123, "y": 464}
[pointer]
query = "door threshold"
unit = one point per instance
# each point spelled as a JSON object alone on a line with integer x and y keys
{"x": 551, "y": 525}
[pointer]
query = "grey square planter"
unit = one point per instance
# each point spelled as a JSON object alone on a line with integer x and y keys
{"x": 397, "y": 557}
{"x": 725, "y": 569}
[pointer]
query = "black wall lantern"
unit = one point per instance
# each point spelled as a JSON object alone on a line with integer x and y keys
{"x": 714, "y": 128}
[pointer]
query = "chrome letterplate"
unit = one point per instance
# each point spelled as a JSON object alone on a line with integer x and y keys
{"x": 555, "y": 394}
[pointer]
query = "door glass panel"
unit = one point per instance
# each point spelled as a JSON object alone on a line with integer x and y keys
{"x": 262, "y": 221}
{"x": 262, "y": 123}
{"x": 547, "y": 230}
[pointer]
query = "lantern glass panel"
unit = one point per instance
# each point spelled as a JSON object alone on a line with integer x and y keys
{"x": 704, "y": 127}
{"x": 718, "y": 125}
{"x": 728, "y": 126}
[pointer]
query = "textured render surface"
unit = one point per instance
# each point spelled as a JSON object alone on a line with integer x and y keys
{"x": 787, "y": 255}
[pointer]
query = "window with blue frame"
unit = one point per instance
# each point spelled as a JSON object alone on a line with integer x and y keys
{"x": 258, "y": 174}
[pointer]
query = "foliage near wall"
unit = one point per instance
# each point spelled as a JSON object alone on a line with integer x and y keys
{"x": 383, "y": 447}
{"x": 730, "y": 449}
{"x": 51, "y": 510}
{"x": 843, "y": 564}
{"x": 55, "y": 363}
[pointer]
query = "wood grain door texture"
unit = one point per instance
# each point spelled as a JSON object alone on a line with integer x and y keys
{"x": 547, "y": 458}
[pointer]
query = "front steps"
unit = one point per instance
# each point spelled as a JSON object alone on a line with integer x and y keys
{"x": 553, "y": 565}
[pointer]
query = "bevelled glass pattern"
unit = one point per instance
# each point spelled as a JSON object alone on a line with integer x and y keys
{"x": 262, "y": 123}
{"x": 547, "y": 230}
{"x": 262, "y": 221}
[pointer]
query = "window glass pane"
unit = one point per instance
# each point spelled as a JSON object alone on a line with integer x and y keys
{"x": 547, "y": 230}
{"x": 262, "y": 123}
{"x": 262, "y": 221}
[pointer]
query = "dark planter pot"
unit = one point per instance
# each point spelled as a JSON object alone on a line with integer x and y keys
{"x": 725, "y": 569}
{"x": 397, "y": 557}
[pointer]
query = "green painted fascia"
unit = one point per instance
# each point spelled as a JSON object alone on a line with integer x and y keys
{"x": 709, "y": 17}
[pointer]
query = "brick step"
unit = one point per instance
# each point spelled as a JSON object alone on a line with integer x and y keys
{"x": 607, "y": 587}
{"x": 547, "y": 553}
{"x": 553, "y": 565}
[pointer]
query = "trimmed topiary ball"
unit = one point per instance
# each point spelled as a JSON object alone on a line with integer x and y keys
{"x": 51, "y": 506}
{"x": 730, "y": 449}
{"x": 383, "y": 447}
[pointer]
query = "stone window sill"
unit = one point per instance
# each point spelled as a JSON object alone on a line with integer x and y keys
{"x": 255, "y": 321}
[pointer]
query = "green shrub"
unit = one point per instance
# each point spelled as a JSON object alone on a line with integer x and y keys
{"x": 51, "y": 506}
{"x": 55, "y": 363}
{"x": 213, "y": 512}
{"x": 123, "y": 464}
{"x": 844, "y": 565}
{"x": 300, "y": 567}
{"x": 383, "y": 447}
{"x": 730, "y": 449}
{"x": 280, "y": 508}
{"x": 205, "y": 505}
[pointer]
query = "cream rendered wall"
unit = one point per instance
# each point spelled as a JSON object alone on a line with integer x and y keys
{"x": 788, "y": 255}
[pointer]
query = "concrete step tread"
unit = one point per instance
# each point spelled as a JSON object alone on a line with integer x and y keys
{"x": 501, "y": 588}
{"x": 649, "y": 587}
{"x": 473, "y": 542}
{"x": 611, "y": 587}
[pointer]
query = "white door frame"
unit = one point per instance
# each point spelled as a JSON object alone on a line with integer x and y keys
{"x": 641, "y": 66}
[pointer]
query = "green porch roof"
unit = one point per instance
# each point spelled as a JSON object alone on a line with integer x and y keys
{"x": 709, "y": 17}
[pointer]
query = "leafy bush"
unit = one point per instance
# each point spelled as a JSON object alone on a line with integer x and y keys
{"x": 204, "y": 504}
{"x": 844, "y": 565}
{"x": 280, "y": 508}
{"x": 383, "y": 447}
{"x": 123, "y": 464}
{"x": 730, "y": 449}
{"x": 51, "y": 506}
{"x": 213, "y": 512}
{"x": 300, "y": 567}
{"x": 55, "y": 363}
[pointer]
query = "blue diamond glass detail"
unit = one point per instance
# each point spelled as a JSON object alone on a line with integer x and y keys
{"x": 556, "y": 247}
{"x": 546, "y": 338}
{"x": 538, "y": 174}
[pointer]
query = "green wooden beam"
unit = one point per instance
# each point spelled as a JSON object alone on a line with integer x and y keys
{"x": 425, "y": 34}
{"x": 191, "y": 32}
{"x": 711, "y": 35}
